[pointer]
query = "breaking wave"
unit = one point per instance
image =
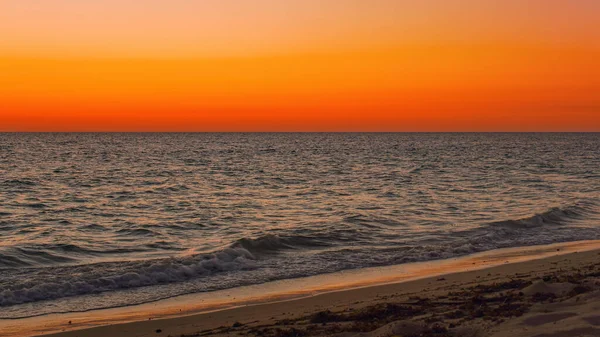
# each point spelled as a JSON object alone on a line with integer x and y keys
{"x": 271, "y": 243}
{"x": 102, "y": 277}
{"x": 555, "y": 216}
{"x": 555, "y": 225}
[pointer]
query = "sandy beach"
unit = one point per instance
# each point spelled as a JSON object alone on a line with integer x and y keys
{"x": 557, "y": 296}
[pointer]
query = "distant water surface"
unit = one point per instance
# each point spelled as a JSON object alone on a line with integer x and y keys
{"x": 101, "y": 220}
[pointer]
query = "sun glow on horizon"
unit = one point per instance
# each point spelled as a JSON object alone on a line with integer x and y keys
{"x": 268, "y": 65}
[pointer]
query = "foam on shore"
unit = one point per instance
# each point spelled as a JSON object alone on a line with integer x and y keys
{"x": 287, "y": 289}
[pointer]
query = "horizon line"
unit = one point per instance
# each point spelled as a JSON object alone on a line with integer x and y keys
{"x": 258, "y": 132}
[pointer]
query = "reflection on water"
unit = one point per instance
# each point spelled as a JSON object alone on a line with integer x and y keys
{"x": 100, "y": 220}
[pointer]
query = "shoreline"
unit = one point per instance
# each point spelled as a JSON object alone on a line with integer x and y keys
{"x": 353, "y": 289}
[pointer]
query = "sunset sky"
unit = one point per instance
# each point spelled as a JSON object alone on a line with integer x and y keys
{"x": 299, "y": 65}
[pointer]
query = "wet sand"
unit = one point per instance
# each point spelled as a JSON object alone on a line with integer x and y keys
{"x": 557, "y": 295}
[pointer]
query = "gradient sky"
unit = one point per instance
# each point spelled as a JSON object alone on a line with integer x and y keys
{"x": 299, "y": 65}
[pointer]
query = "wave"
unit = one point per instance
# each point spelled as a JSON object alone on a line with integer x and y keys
{"x": 554, "y": 216}
{"x": 37, "y": 205}
{"x": 271, "y": 257}
{"x": 92, "y": 227}
{"x": 51, "y": 255}
{"x": 137, "y": 232}
{"x": 19, "y": 183}
{"x": 27, "y": 257}
{"x": 271, "y": 243}
{"x": 559, "y": 224}
{"x": 102, "y": 277}
{"x": 110, "y": 276}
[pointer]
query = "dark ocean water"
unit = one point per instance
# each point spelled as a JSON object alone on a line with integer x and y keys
{"x": 100, "y": 220}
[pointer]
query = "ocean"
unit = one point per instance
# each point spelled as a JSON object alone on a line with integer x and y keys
{"x": 91, "y": 221}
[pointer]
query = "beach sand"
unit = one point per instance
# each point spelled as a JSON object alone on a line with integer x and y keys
{"x": 553, "y": 296}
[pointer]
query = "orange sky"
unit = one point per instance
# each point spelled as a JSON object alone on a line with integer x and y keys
{"x": 299, "y": 65}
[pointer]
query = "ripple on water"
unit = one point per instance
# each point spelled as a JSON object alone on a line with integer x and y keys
{"x": 132, "y": 217}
